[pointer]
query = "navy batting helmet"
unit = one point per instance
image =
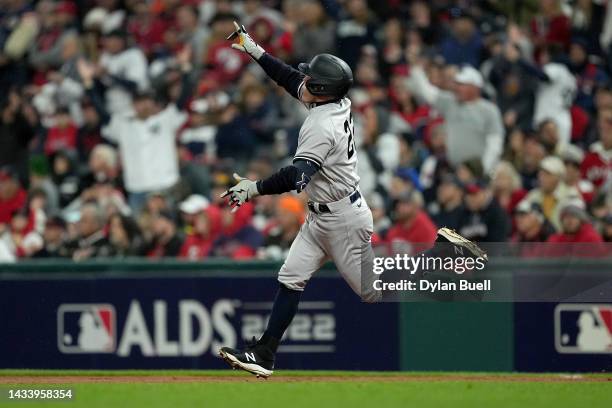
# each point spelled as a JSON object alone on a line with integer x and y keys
{"x": 329, "y": 75}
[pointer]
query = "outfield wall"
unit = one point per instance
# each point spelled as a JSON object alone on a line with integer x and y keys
{"x": 171, "y": 314}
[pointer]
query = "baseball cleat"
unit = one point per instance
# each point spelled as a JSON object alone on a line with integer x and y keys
{"x": 255, "y": 358}
{"x": 456, "y": 239}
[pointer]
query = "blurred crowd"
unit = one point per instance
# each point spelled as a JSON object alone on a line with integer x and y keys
{"x": 122, "y": 122}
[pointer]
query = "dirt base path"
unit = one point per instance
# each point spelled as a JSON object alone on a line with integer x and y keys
{"x": 78, "y": 379}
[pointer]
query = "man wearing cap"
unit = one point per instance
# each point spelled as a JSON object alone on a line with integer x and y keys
{"x": 451, "y": 210}
{"x": 474, "y": 125}
{"x": 412, "y": 226}
{"x": 575, "y": 225}
{"x": 190, "y": 208}
{"x": 146, "y": 136}
{"x": 552, "y": 191}
{"x": 485, "y": 220}
{"x": 531, "y": 225}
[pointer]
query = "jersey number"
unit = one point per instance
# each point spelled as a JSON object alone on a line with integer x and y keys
{"x": 349, "y": 129}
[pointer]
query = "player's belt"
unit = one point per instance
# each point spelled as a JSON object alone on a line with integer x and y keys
{"x": 323, "y": 208}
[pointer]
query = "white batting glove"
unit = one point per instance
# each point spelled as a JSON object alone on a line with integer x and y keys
{"x": 242, "y": 192}
{"x": 245, "y": 42}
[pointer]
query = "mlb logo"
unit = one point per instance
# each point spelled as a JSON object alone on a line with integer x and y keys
{"x": 86, "y": 328}
{"x": 583, "y": 328}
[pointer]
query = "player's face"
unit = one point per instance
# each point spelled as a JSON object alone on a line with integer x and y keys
{"x": 307, "y": 97}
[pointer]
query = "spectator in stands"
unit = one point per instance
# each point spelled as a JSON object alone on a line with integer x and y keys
{"x": 552, "y": 191}
{"x": 124, "y": 236}
{"x": 103, "y": 164}
{"x": 474, "y": 125}
{"x": 531, "y": 225}
{"x": 53, "y": 236}
{"x": 417, "y": 116}
{"x": 199, "y": 242}
{"x": 166, "y": 240}
{"x": 550, "y": 25}
{"x": 91, "y": 240}
{"x": 606, "y": 232}
{"x": 17, "y": 121}
{"x": 355, "y": 31}
{"x": 573, "y": 157}
{"x": 313, "y": 33}
{"x": 555, "y": 92}
{"x": 485, "y": 220}
{"x": 65, "y": 175}
{"x": 575, "y": 225}
{"x": 145, "y": 134}
{"x": 191, "y": 33}
{"x": 515, "y": 88}
{"x": 290, "y": 215}
{"x": 238, "y": 239}
{"x": 412, "y": 230}
{"x": 507, "y": 186}
{"x": 89, "y": 135}
{"x": 597, "y": 164}
{"x": 464, "y": 44}
{"x": 450, "y": 200}
{"x": 190, "y": 208}
{"x": 12, "y": 195}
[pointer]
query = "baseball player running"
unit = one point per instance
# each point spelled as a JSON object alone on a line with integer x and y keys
{"x": 339, "y": 223}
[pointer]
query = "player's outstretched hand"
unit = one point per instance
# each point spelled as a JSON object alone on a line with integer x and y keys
{"x": 242, "y": 192}
{"x": 245, "y": 42}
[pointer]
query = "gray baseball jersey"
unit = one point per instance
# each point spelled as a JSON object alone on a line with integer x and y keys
{"x": 344, "y": 234}
{"x": 326, "y": 137}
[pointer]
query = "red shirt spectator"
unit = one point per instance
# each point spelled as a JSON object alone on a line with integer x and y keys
{"x": 419, "y": 230}
{"x": 412, "y": 225}
{"x": 63, "y": 135}
{"x": 597, "y": 164}
{"x": 576, "y": 230}
{"x": 12, "y": 196}
{"x": 198, "y": 244}
{"x": 586, "y": 233}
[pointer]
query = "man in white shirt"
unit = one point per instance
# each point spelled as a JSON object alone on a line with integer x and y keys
{"x": 474, "y": 124}
{"x": 145, "y": 135}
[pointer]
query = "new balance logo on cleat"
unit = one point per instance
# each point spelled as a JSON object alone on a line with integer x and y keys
{"x": 256, "y": 359}
{"x": 460, "y": 243}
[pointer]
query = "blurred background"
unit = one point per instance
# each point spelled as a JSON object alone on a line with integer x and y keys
{"x": 490, "y": 117}
{"x": 540, "y": 135}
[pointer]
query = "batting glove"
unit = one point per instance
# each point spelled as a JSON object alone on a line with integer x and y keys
{"x": 242, "y": 192}
{"x": 245, "y": 42}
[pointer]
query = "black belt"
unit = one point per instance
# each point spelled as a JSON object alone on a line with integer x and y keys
{"x": 323, "y": 208}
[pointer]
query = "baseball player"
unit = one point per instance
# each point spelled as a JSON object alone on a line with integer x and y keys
{"x": 339, "y": 223}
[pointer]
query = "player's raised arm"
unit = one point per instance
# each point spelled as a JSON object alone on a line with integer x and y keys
{"x": 284, "y": 75}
